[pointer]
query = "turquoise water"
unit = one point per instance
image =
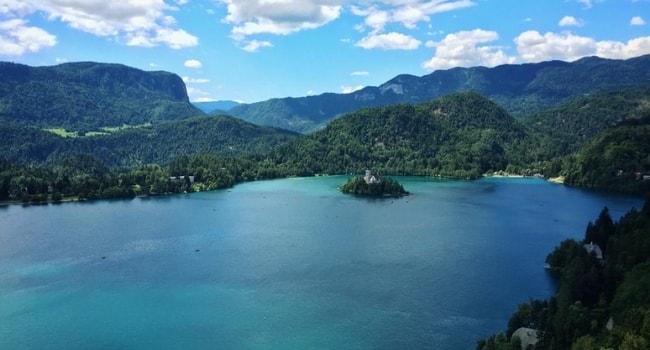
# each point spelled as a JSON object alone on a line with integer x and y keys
{"x": 285, "y": 264}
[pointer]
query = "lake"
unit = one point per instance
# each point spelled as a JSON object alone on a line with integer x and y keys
{"x": 286, "y": 264}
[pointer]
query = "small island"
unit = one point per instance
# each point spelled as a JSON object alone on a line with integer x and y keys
{"x": 373, "y": 185}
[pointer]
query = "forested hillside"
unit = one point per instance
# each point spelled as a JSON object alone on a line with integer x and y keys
{"x": 601, "y": 303}
{"x": 461, "y": 135}
{"x": 520, "y": 89}
{"x": 159, "y": 143}
{"x": 132, "y": 122}
{"x": 618, "y": 159}
{"x": 571, "y": 125}
{"x": 87, "y": 96}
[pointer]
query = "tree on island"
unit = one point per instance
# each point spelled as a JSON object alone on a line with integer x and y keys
{"x": 372, "y": 185}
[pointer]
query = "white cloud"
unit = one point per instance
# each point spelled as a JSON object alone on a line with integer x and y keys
{"x": 406, "y": 12}
{"x": 360, "y": 74}
{"x": 535, "y": 47}
{"x": 188, "y": 80}
{"x": 283, "y": 17}
{"x": 569, "y": 21}
{"x": 203, "y": 99}
{"x": 254, "y": 45}
{"x": 350, "y": 89}
{"x": 16, "y": 37}
{"x": 280, "y": 17}
{"x": 139, "y": 23}
{"x": 637, "y": 21}
{"x": 175, "y": 38}
{"x": 465, "y": 49}
{"x": 618, "y": 50}
{"x": 389, "y": 41}
{"x": 193, "y": 64}
{"x": 197, "y": 95}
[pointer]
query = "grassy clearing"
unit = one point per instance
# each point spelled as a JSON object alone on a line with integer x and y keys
{"x": 62, "y": 132}
{"x": 106, "y": 130}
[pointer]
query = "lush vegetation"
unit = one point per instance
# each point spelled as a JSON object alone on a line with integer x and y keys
{"x": 87, "y": 96}
{"x": 569, "y": 126}
{"x": 520, "y": 89}
{"x": 160, "y": 143}
{"x": 616, "y": 160}
{"x": 383, "y": 187}
{"x": 86, "y": 177}
{"x": 600, "y": 304}
{"x": 597, "y": 141}
{"x": 462, "y": 135}
{"x": 113, "y": 115}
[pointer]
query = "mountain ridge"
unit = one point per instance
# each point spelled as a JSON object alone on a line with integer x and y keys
{"x": 520, "y": 88}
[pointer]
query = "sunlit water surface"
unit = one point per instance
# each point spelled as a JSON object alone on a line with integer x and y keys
{"x": 286, "y": 264}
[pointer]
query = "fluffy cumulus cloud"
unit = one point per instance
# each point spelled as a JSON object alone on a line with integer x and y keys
{"x": 193, "y": 64}
{"x": 533, "y": 46}
{"x": 17, "y": 37}
{"x": 637, "y": 21}
{"x": 465, "y": 49}
{"x": 569, "y": 21}
{"x": 281, "y": 17}
{"x": 389, "y": 41}
{"x": 139, "y": 23}
{"x": 407, "y": 13}
{"x": 615, "y": 49}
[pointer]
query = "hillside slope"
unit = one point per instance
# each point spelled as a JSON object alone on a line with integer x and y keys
{"x": 159, "y": 143}
{"x": 85, "y": 96}
{"x": 520, "y": 89}
{"x": 569, "y": 126}
{"x": 459, "y": 135}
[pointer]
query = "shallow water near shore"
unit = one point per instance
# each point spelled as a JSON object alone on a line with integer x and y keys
{"x": 286, "y": 264}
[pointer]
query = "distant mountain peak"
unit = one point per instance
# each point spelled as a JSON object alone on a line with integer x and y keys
{"x": 519, "y": 88}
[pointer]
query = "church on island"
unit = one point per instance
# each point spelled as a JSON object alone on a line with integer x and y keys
{"x": 370, "y": 178}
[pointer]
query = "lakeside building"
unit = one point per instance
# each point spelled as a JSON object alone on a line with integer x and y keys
{"x": 370, "y": 178}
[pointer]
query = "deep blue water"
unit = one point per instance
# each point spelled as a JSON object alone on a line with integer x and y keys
{"x": 286, "y": 264}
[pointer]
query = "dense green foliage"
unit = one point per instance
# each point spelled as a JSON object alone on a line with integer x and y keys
{"x": 384, "y": 187}
{"x": 159, "y": 143}
{"x": 615, "y": 160}
{"x": 593, "y": 292}
{"x": 86, "y": 177}
{"x": 520, "y": 89}
{"x": 460, "y": 135}
{"x": 569, "y": 126}
{"x": 86, "y": 96}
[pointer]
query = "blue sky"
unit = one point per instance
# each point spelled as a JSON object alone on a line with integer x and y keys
{"x": 253, "y": 50}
